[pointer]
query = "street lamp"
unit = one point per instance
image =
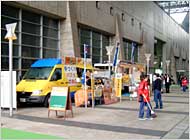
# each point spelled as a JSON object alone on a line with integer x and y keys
{"x": 147, "y": 55}
{"x": 11, "y": 36}
{"x": 109, "y": 50}
{"x": 167, "y": 66}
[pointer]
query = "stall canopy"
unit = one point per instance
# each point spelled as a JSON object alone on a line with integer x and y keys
{"x": 140, "y": 67}
{"x": 81, "y": 65}
{"x": 79, "y": 62}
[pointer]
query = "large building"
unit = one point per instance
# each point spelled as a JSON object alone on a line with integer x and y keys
{"x": 50, "y": 29}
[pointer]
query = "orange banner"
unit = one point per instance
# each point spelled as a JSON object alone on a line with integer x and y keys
{"x": 79, "y": 97}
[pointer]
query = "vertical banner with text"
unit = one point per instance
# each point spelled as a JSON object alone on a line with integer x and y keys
{"x": 118, "y": 84}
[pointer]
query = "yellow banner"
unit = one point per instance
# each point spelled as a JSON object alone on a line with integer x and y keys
{"x": 118, "y": 84}
{"x": 92, "y": 87}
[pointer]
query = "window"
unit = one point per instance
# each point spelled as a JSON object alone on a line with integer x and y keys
{"x": 5, "y": 49}
{"x": 50, "y": 38}
{"x": 26, "y": 63}
{"x": 85, "y": 38}
{"x": 128, "y": 49}
{"x": 125, "y": 49}
{"x": 123, "y": 17}
{"x": 30, "y": 17}
{"x": 111, "y": 11}
{"x": 140, "y": 25}
{"x": 37, "y": 37}
{"x": 51, "y": 23}
{"x": 177, "y": 63}
{"x": 57, "y": 75}
{"x": 30, "y": 28}
{"x": 96, "y": 47}
{"x": 5, "y": 63}
{"x": 132, "y": 22}
{"x": 9, "y": 11}
{"x": 105, "y": 42}
{"x": 136, "y": 53}
{"x": 97, "y": 4}
{"x": 97, "y": 42}
{"x": 9, "y": 14}
{"x": 183, "y": 63}
{"x": 30, "y": 40}
{"x": 30, "y": 52}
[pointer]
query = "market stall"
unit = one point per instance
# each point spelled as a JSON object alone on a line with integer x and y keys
{"x": 130, "y": 77}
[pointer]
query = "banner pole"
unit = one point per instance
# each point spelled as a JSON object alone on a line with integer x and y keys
{"x": 10, "y": 77}
{"x": 85, "y": 96}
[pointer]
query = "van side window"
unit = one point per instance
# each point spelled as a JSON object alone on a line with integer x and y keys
{"x": 57, "y": 74}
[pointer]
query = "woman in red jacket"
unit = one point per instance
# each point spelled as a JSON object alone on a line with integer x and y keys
{"x": 143, "y": 89}
{"x": 184, "y": 84}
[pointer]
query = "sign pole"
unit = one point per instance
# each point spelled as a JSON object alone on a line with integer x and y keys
{"x": 109, "y": 66}
{"x": 10, "y": 76}
{"x": 92, "y": 89}
{"x": 0, "y": 84}
{"x": 10, "y": 36}
{"x": 109, "y": 50}
{"x": 85, "y": 94}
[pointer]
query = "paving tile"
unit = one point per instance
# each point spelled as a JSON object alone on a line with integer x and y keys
{"x": 115, "y": 121}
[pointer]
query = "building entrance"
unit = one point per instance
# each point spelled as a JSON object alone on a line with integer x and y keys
{"x": 158, "y": 55}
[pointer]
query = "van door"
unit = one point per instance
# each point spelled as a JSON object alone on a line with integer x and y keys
{"x": 57, "y": 78}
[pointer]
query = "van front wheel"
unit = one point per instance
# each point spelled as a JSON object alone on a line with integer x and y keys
{"x": 47, "y": 100}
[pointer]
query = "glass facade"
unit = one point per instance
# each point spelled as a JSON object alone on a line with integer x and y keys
{"x": 183, "y": 63}
{"x": 37, "y": 37}
{"x": 177, "y": 62}
{"x": 158, "y": 51}
{"x": 97, "y": 42}
{"x": 127, "y": 47}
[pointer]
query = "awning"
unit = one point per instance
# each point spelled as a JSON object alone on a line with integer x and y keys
{"x": 128, "y": 65}
{"x": 49, "y": 62}
{"x": 81, "y": 65}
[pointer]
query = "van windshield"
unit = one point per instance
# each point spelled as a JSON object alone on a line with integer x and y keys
{"x": 38, "y": 73}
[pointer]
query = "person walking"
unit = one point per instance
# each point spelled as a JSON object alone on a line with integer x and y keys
{"x": 157, "y": 92}
{"x": 144, "y": 90}
{"x": 167, "y": 83}
{"x": 163, "y": 83}
{"x": 181, "y": 78}
{"x": 184, "y": 83}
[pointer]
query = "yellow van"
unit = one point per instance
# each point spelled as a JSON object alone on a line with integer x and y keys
{"x": 37, "y": 83}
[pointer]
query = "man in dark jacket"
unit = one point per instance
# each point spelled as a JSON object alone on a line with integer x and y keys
{"x": 168, "y": 83}
{"x": 157, "y": 92}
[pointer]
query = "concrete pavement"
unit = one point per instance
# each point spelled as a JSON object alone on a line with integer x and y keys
{"x": 115, "y": 121}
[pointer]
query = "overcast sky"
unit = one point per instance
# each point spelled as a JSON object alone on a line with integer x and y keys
{"x": 179, "y": 17}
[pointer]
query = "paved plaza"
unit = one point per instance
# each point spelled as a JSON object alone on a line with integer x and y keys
{"x": 108, "y": 122}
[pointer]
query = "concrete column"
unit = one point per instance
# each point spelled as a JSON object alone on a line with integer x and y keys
{"x": 147, "y": 55}
{"x": 69, "y": 45}
{"x": 173, "y": 66}
{"x": 164, "y": 53}
{"x": 142, "y": 48}
{"x": 147, "y": 46}
{"x": 118, "y": 36}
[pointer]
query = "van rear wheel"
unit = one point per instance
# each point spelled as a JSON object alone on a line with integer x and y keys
{"x": 47, "y": 100}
